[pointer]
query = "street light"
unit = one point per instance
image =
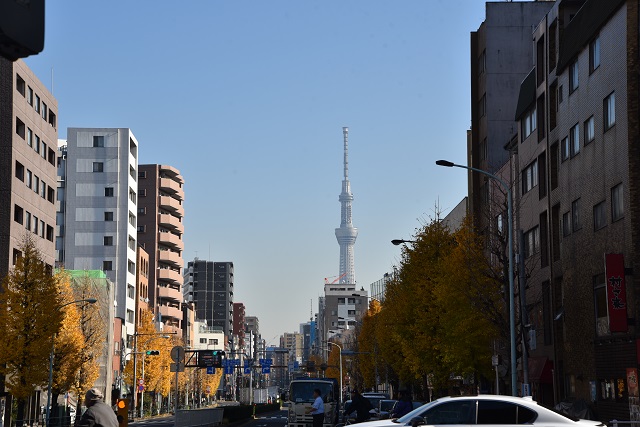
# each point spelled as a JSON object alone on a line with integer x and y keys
{"x": 53, "y": 337}
{"x": 401, "y": 241}
{"x": 340, "y": 354}
{"x": 512, "y": 316}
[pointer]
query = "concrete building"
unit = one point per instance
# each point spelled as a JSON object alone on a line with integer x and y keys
{"x": 97, "y": 215}
{"x": 142, "y": 284}
{"x": 293, "y": 342}
{"x": 238, "y": 323}
{"x": 500, "y": 60}
{"x": 160, "y": 229}
{"x": 343, "y": 307}
{"x": 208, "y": 337}
{"x": 28, "y": 117}
{"x": 577, "y": 163}
{"x": 210, "y": 286}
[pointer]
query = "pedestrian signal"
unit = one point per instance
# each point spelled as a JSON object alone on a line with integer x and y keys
{"x": 122, "y": 412}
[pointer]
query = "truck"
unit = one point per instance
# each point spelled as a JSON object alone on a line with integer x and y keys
{"x": 300, "y": 398}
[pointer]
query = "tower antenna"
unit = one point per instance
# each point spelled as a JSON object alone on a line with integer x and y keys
{"x": 346, "y": 233}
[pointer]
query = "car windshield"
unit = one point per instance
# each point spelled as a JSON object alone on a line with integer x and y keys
{"x": 303, "y": 391}
{"x": 415, "y": 413}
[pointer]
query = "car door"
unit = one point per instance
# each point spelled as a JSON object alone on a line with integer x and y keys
{"x": 496, "y": 413}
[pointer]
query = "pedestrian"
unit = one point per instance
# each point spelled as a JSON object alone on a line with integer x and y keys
{"x": 317, "y": 408}
{"x": 361, "y": 405}
{"x": 98, "y": 413}
{"x": 404, "y": 405}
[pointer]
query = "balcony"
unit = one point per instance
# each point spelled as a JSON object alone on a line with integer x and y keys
{"x": 171, "y": 222}
{"x": 170, "y": 276}
{"x": 171, "y": 172}
{"x": 166, "y": 292}
{"x": 168, "y": 311}
{"x": 171, "y": 204}
{"x": 171, "y": 186}
{"x": 172, "y": 258}
{"x": 171, "y": 240}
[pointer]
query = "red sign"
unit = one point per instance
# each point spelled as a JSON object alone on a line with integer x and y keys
{"x": 616, "y": 292}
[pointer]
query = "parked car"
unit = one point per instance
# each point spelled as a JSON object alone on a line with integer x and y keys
{"x": 464, "y": 411}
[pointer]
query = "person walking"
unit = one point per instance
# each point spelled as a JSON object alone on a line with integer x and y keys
{"x": 317, "y": 409}
{"x": 98, "y": 413}
{"x": 361, "y": 405}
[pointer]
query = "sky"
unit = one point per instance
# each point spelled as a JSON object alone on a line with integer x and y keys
{"x": 248, "y": 100}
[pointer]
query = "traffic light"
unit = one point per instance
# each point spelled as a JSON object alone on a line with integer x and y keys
{"x": 123, "y": 412}
{"x": 152, "y": 352}
{"x": 21, "y": 28}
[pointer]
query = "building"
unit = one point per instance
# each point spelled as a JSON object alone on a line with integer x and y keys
{"x": 293, "y": 342}
{"x": 208, "y": 337}
{"x": 343, "y": 307}
{"x": 577, "y": 188}
{"x": 97, "y": 214}
{"x": 347, "y": 233}
{"x": 500, "y": 60}
{"x": 239, "y": 323}
{"x": 28, "y": 115}
{"x": 160, "y": 229}
{"x": 209, "y": 285}
{"x": 142, "y": 284}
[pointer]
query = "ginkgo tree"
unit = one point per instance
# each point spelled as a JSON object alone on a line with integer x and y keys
{"x": 30, "y": 316}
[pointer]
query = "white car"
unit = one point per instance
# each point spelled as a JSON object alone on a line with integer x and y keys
{"x": 488, "y": 410}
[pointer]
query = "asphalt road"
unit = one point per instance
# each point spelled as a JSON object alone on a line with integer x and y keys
{"x": 272, "y": 419}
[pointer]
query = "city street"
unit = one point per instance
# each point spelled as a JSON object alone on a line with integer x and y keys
{"x": 272, "y": 419}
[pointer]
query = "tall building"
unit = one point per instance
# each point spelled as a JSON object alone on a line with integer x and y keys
{"x": 160, "y": 229}
{"x": 294, "y": 343}
{"x": 576, "y": 163}
{"x": 238, "y": 323}
{"x": 347, "y": 233}
{"x": 500, "y": 60}
{"x": 97, "y": 215}
{"x": 27, "y": 163}
{"x": 343, "y": 306}
{"x": 210, "y": 286}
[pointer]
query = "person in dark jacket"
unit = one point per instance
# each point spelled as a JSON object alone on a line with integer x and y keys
{"x": 98, "y": 413}
{"x": 361, "y": 405}
{"x": 404, "y": 405}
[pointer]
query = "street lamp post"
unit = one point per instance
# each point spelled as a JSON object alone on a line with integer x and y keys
{"x": 53, "y": 337}
{"x": 512, "y": 316}
{"x": 340, "y": 354}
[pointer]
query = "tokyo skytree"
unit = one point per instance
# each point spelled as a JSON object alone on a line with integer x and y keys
{"x": 347, "y": 233}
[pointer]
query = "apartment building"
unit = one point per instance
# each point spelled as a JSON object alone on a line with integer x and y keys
{"x": 239, "y": 323}
{"x": 28, "y": 115}
{"x": 97, "y": 213}
{"x": 160, "y": 229}
{"x": 576, "y": 160}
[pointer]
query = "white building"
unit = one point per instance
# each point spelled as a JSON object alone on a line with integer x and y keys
{"x": 207, "y": 337}
{"x": 97, "y": 214}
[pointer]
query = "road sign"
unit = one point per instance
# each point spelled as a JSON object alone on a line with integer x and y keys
{"x": 236, "y": 362}
{"x": 141, "y": 387}
{"x": 177, "y": 367}
{"x": 228, "y": 370}
{"x": 247, "y": 369}
{"x": 177, "y": 354}
{"x": 211, "y": 370}
{"x": 266, "y": 362}
{"x": 266, "y": 369}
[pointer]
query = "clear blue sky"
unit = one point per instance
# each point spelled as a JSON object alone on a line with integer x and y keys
{"x": 248, "y": 100}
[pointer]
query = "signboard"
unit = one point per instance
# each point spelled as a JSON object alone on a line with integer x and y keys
{"x": 247, "y": 369}
{"x": 177, "y": 354}
{"x": 207, "y": 358}
{"x": 616, "y": 292}
{"x": 266, "y": 369}
{"x": 211, "y": 370}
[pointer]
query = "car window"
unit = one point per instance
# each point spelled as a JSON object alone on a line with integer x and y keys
{"x": 454, "y": 412}
{"x": 496, "y": 412}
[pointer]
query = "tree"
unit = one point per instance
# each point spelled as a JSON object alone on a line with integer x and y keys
{"x": 68, "y": 343}
{"x": 29, "y": 317}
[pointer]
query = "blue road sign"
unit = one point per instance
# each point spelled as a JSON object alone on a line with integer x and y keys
{"x": 211, "y": 370}
{"x": 247, "y": 370}
{"x": 228, "y": 370}
{"x": 266, "y": 369}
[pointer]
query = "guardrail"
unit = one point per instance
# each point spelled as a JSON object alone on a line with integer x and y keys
{"x": 205, "y": 417}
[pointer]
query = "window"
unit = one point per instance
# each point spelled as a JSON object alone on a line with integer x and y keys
{"x": 52, "y": 118}
{"x": 35, "y": 225}
{"x": 108, "y": 216}
{"x": 553, "y": 167}
{"x": 483, "y": 150}
{"x": 27, "y": 221}
{"x": 482, "y": 106}
{"x": 98, "y": 167}
{"x": 132, "y": 219}
{"x": 574, "y": 140}
{"x": 610, "y": 111}
{"x": 575, "y": 215}
{"x": 553, "y": 31}
{"x": 566, "y": 223}
{"x": 497, "y": 412}
{"x": 52, "y": 157}
{"x": 29, "y": 95}
{"x": 108, "y": 240}
{"x": 141, "y": 229}
{"x": 542, "y": 175}
{"x": 560, "y": 94}
{"x": 44, "y": 111}
{"x": 600, "y": 297}
{"x": 341, "y": 300}
{"x": 617, "y": 205}
{"x": 132, "y": 195}
{"x": 142, "y": 174}
{"x": 203, "y": 340}
{"x": 37, "y": 104}
{"x": 29, "y": 178}
{"x": 108, "y": 192}
{"x": 530, "y": 177}
{"x": 573, "y": 76}
{"x": 131, "y": 291}
{"x": 20, "y": 127}
{"x": 43, "y": 151}
{"x": 18, "y": 214}
{"x": 351, "y": 300}
{"x": 107, "y": 265}
{"x": 589, "y": 130}
{"x": 531, "y": 242}
{"x": 553, "y": 105}
{"x": 29, "y": 137}
{"x": 49, "y": 233}
{"x": 17, "y": 254}
{"x": 132, "y": 243}
{"x": 131, "y": 267}
{"x": 599, "y": 216}
{"x": 19, "y": 171}
{"x": 130, "y": 316}
{"x": 565, "y": 148}
{"x": 594, "y": 54}
{"x": 51, "y": 194}
{"x": 43, "y": 190}
{"x": 98, "y": 140}
{"x": 142, "y": 211}
{"x": 528, "y": 123}
{"x": 36, "y": 146}
{"x": 20, "y": 85}
{"x": 142, "y": 192}
{"x": 453, "y": 412}
{"x": 36, "y": 184}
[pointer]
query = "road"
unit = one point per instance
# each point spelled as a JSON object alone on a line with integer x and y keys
{"x": 272, "y": 419}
